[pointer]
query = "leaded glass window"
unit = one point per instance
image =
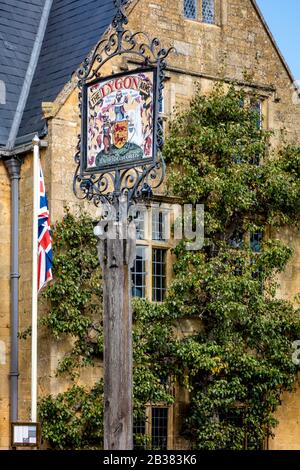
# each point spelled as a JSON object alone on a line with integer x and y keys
{"x": 237, "y": 239}
{"x": 139, "y": 220}
{"x": 256, "y": 108}
{"x": 159, "y": 225}
{"x": 190, "y": 9}
{"x": 208, "y": 11}
{"x": 256, "y": 241}
{"x": 149, "y": 273}
{"x": 158, "y": 275}
{"x": 159, "y": 428}
{"x": 150, "y": 431}
{"x": 139, "y": 273}
{"x": 139, "y": 431}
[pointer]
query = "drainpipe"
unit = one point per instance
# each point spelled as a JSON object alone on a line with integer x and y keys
{"x": 13, "y": 166}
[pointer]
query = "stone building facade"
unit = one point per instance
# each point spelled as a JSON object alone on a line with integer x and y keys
{"x": 218, "y": 40}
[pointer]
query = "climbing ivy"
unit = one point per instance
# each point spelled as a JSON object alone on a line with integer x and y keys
{"x": 74, "y": 419}
{"x": 239, "y": 362}
{"x": 75, "y": 296}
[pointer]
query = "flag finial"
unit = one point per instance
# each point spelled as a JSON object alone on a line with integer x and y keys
{"x": 36, "y": 140}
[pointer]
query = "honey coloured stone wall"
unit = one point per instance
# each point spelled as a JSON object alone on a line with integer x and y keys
{"x": 5, "y": 219}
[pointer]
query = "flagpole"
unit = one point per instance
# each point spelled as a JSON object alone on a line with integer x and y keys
{"x": 36, "y": 157}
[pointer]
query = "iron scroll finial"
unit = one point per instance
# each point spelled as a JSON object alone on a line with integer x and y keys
{"x": 120, "y": 18}
{"x": 108, "y": 185}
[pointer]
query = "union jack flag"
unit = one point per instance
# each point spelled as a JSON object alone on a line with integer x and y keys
{"x": 44, "y": 238}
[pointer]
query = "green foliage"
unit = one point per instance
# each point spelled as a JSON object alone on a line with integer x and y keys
{"x": 211, "y": 151}
{"x": 70, "y": 420}
{"x": 240, "y": 362}
{"x": 75, "y": 296}
{"x": 74, "y": 419}
{"x": 153, "y": 352}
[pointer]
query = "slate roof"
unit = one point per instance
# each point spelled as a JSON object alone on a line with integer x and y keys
{"x": 42, "y": 42}
{"x": 72, "y": 30}
{"x": 19, "y": 21}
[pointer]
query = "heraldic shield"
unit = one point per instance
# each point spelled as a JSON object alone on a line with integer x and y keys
{"x": 120, "y": 133}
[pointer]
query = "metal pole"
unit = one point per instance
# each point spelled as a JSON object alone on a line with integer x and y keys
{"x": 34, "y": 312}
{"x": 117, "y": 254}
{"x": 13, "y": 166}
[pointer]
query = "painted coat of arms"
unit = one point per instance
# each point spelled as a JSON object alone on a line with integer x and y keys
{"x": 120, "y": 120}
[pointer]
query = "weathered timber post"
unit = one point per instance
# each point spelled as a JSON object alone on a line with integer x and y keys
{"x": 116, "y": 249}
{"x": 116, "y": 162}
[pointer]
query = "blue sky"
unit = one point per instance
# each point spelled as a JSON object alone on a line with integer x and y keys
{"x": 283, "y": 18}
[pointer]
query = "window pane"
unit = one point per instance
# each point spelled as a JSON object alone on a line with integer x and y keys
{"x": 139, "y": 221}
{"x": 255, "y": 241}
{"x": 139, "y": 429}
{"x": 158, "y": 275}
{"x": 159, "y": 225}
{"x": 237, "y": 239}
{"x": 190, "y": 9}
{"x": 139, "y": 273}
{"x": 208, "y": 11}
{"x": 160, "y": 428}
{"x": 256, "y": 108}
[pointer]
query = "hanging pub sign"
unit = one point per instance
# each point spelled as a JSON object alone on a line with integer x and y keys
{"x": 119, "y": 121}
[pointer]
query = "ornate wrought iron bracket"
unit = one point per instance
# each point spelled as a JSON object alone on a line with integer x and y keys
{"x": 139, "y": 181}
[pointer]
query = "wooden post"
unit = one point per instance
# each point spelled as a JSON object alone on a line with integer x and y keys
{"x": 116, "y": 248}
